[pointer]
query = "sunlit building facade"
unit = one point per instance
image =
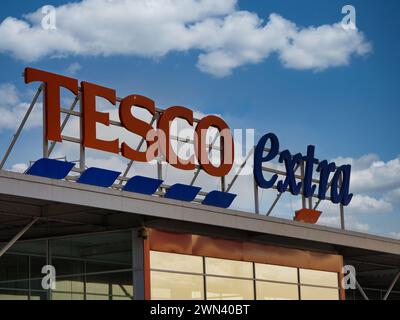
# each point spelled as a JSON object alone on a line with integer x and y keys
{"x": 107, "y": 244}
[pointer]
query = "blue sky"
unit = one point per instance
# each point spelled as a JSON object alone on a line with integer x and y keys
{"x": 347, "y": 111}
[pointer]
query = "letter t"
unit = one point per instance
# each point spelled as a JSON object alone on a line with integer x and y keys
{"x": 52, "y": 83}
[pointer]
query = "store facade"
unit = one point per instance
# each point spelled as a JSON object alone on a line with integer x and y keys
{"x": 70, "y": 231}
{"x": 176, "y": 266}
{"x": 186, "y": 266}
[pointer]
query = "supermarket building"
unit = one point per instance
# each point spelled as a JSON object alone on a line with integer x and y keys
{"x": 137, "y": 238}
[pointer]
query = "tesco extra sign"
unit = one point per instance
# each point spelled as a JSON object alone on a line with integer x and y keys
{"x": 158, "y": 140}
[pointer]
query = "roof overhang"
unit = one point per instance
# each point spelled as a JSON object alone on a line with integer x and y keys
{"x": 66, "y": 208}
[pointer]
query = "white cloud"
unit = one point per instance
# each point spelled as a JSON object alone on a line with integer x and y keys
{"x": 360, "y": 205}
{"x": 376, "y": 188}
{"x": 224, "y": 36}
{"x": 8, "y": 94}
{"x": 323, "y": 47}
{"x": 73, "y": 68}
{"x": 395, "y": 235}
{"x": 19, "y": 167}
{"x": 372, "y": 175}
{"x": 366, "y": 204}
{"x": 13, "y": 109}
{"x": 350, "y": 223}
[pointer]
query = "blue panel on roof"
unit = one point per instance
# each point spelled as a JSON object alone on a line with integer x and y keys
{"x": 219, "y": 199}
{"x": 50, "y": 168}
{"x": 182, "y": 192}
{"x": 142, "y": 185}
{"x": 98, "y": 177}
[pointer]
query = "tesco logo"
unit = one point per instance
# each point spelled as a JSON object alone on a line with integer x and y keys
{"x": 158, "y": 139}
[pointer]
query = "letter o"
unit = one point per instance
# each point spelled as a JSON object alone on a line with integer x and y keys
{"x": 201, "y": 150}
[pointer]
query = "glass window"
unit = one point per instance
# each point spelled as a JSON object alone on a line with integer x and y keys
{"x": 316, "y": 293}
{"x": 276, "y": 273}
{"x": 67, "y": 267}
{"x": 276, "y": 291}
{"x": 94, "y": 264}
{"x": 175, "y": 262}
{"x": 36, "y": 247}
{"x": 23, "y": 262}
{"x": 97, "y": 297}
{"x": 13, "y": 294}
{"x": 97, "y": 287}
{"x": 229, "y": 289}
{"x": 66, "y": 296}
{"x": 121, "y": 298}
{"x": 231, "y": 268}
{"x": 174, "y": 286}
{"x": 36, "y": 266}
{"x": 14, "y": 271}
{"x": 70, "y": 284}
{"x": 92, "y": 267}
{"x": 110, "y": 283}
{"x": 107, "y": 249}
{"x": 99, "y": 264}
{"x": 319, "y": 278}
{"x": 38, "y": 295}
{"x": 123, "y": 290}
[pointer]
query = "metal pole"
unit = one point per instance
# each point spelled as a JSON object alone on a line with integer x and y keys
{"x": 239, "y": 171}
{"x": 342, "y": 226}
{"x": 129, "y": 165}
{"x": 279, "y": 195}
{"x": 45, "y": 141}
{"x": 49, "y": 262}
{"x": 361, "y": 291}
{"x": 53, "y": 144}
{"x": 82, "y": 156}
{"x": 223, "y": 184}
{"x": 21, "y": 126}
{"x": 222, "y": 156}
{"x": 159, "y": 169}
{"x": 359, "y": 287}
{"x": 256, "y": 201}
{"x": 17, "y": 236}
{"x": 303, "y": 199}
{"x": 319, "y": 200}
{"x": 310, "y": 202}
{"x": 196, "y": 174}
{"x": 392, "y": 286}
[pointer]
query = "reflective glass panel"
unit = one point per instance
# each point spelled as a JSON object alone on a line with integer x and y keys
{"x": 101, "y": 252}
{"x": 14, "y": 271}
{"x": 13, "y": 294}
{"x": 70, "y": 284}
{"x": 229, "y": 289}
{"x": 232, "y": 268}
{"x": 276, "y": 291}
{"x": 176, "y": 262}
{"x": 38, "y": 295}
{"x": 175, "y": 286}
{"x": 36, "y": 266}
{"x": 315, "y": 293}
{"x": 97, "y": 297}
{"x": 110, "y": 283}
{"x": 66, "y": 296}
{"x": 276, "y": 273}
{"x": 319, "y": 278}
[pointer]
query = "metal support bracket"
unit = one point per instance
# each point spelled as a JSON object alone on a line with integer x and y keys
{"x": 21, "y": 126}
{"x": 392, "y": 286}
{"x": 17, "y": 236}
